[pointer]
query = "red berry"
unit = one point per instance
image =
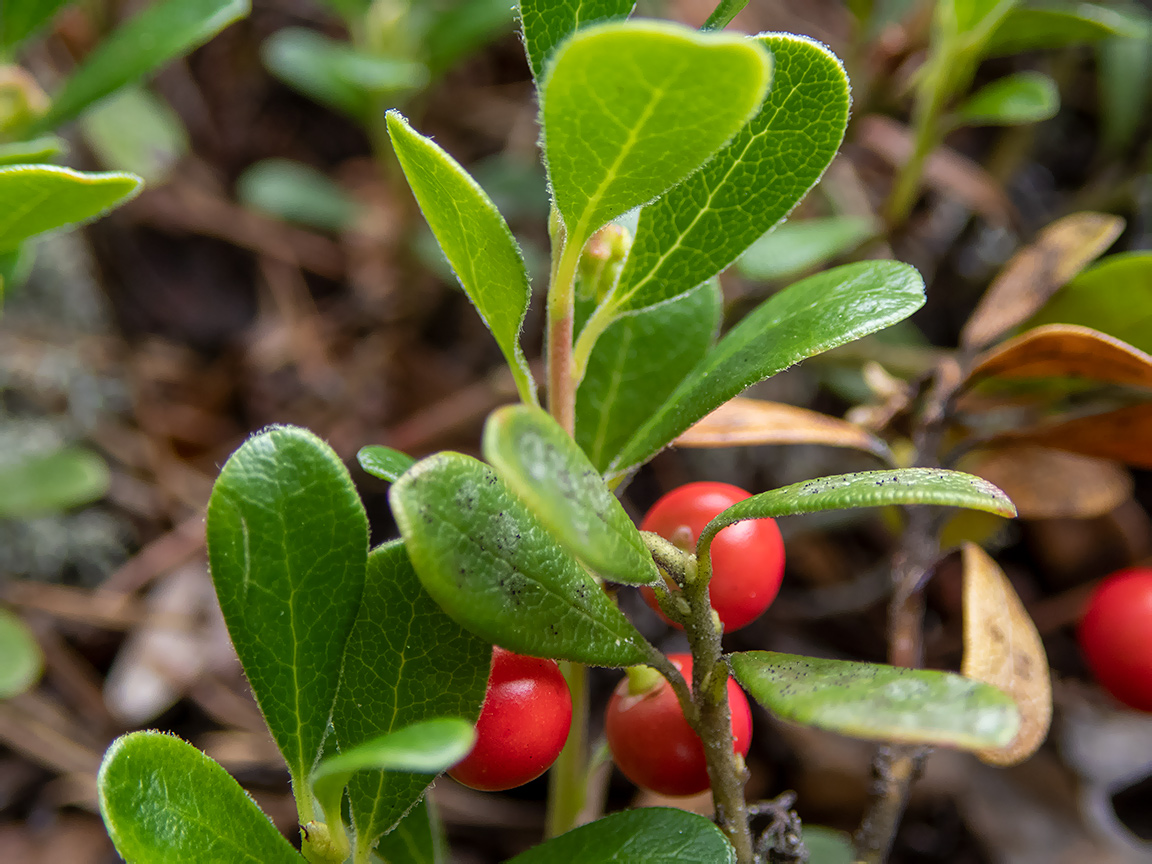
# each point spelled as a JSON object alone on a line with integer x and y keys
{"x": 1116, "y": 636}
{"x": 522, "y": 727}
{"x": 747, "y": 558}
{"x": 652, "y": 743}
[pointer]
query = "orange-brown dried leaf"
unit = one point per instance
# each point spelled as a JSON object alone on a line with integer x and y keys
{"x": 745, "y": 422}
{"x": 1067, "y": 351}
{"x": 1033, "y": 274}
{"x": 1124, "y": 435}
{"x": 1003, "y": 648}
{"x": 1054, "y": 484}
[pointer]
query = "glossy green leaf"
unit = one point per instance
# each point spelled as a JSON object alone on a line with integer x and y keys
{"x": 547, "y": 23}
{"x": 157, "y": 35}
{"x": 427, "y": 747}
{"x": 652, "y": 835}
{"x": 298, "y": 193}
{"x": 39, "y": 198}
{"x": 792, "y": 248}
{"x": 475, "y": 239}
{"x": 405, "y": 662}
{"x": 288, "y": 546}
{"x": 636, "y": 365}
{"x": 1114, "y": 297}
{"x": 492, "y": 566}
{"x": 134, "y": 130}
{"x": 827, "y": 845}
{"x": 878, "y": 702}
{"x": 548, "y": 470}
{"x": 384, "y": 462}
{"x": 909, "y": 486}
{"x": 164, "y": 801}
{"x": 336, "y": 74}
{"x": 35, "y": 150}
{"x": 1031, "y": 29}
{"x": 812, "y": 316}
{"x": 21, "y": 660}
{"x": 703, "y": 225}
{"x": 417, "y": 839}
{"x": 50, "y": 482}
{"x": 19, "y": 19}
{"x": 723, "y": 14}
{"x": 462, "y": 29}
{"x": 1124, "y": 80}
{"x": 1026, "y": 97}
{"x": 630, "y": 109}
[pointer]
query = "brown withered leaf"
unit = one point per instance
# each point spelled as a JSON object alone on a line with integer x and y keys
{"x": 743, "y": 422}
{"x": 1124, "y": 435}
{"x": 1033, "y": 274}
{"x": 1053, "y": 484}
{"x": 1066, "y": 351}
{"x": 1002, "y": 648}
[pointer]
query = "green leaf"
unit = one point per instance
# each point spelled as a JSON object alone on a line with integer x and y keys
{"x": 384, "y": 462}
{"x": 21, "y": 660}
{"x": 35, "y": 150}
{"x": 475, "y": 239}
{"x": 44, "y": 483}
{"x": 461, "y": 30}
{"x": 159, "y": 34}
{"x": 637, "y": 364}
{"x": 288, "y": 546}
{"x": 405, "y": 662}
{"x": 336, "y": 74}
{"x": 418, "y": 839}
{"x": 1030, "y": 29}
{"x": 971, "y": 20}
{"x": 39, "y": 198}
{"x": 812, "y": 316}
{"x": 296, "y": 193}
{"x": 494, "y": 568}
{"x": 827, "y": 845}
{"x": 653, "y": 835}
{"x": 427, "y": 747}
{"x": 135, "y": 130}
{"x": 548, "y": 470}
{"x": 1026, "y": 97}
{"x": 1124, "y": 80}
{"x": 723, "y": 14}
{"x": 163, "y": 801}
{"x": 547, "y": 23}
{"x": 794, "y": 247}
{"x": 1114, "y": 297}
{"x": 630, "y": 109}
{"x": 704, "y": 224}
{"x": 878, "y": 702}
{"x": 934, "y": 486}
{"x": 19, "y": 19}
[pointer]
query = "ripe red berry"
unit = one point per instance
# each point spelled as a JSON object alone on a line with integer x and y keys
{"x": 747, "y": 558}
{"x": 1116, "y": 636}
{"x": 652, "y": 743}
{"x": 522, "y": 727}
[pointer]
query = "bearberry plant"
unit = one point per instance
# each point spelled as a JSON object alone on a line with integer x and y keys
{"x": 669, "y": 151}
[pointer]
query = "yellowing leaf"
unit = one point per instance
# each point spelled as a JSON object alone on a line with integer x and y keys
{"x": 745, "y": 422}
{"x": 1067, "y": 350}
{"x": 1003, "y": 648}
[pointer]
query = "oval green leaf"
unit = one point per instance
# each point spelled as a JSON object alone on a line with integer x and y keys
{"x": 546, "y": 468}
{"x": 288, "y": 547}
{"x": 39, "y": 198}
{"x": 160, "y": 33}
{"x": 653, "y": 835}
{"x": 877, "y": 702}
{"x": 476, "y": 241}
{"x": 36, "y": 150}
{"x": 1031, "y": 29}
{"x": 405, "y": 662}
{"x": 637, "y": 364}
{"x": 494, "y": 568}
{"x": 417, "y": 839}
{"x": 546, "y": 23}
{"x": 1026, "y": 97}
{"x": 703, "y": 225}
{"x": 384, "y": 462}
{"x": 21, "y": 660}
{"x": 812, "y": 316}
{"x": 298, "y": 193}
{"x": 50, "y": 482}
{"x": 795, "y": 247}
{"x": 163, "y": 800}
{"x": 630, "y": 109}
